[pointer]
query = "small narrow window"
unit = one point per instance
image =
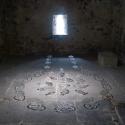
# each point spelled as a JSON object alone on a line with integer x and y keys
{"x": 60, "y": 25}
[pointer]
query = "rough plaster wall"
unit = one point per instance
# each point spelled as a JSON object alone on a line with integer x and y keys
{"x": 7, "y": 25}
{"x": 1, "y": 26}
{"x": 123, "y": 31}
{"x": 117, "y": 26}
{"x": 28, "y": 30}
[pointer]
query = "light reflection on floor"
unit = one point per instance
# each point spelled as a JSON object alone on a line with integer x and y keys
{"x": 58, "y": 91}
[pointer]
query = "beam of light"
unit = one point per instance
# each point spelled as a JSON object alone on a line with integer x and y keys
{"x": 60, "y": 25}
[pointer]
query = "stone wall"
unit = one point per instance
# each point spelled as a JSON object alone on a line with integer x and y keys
{"x": 1, "y": 26}
{"x": 123, "y": 30}
{"x": 27, "y": 26}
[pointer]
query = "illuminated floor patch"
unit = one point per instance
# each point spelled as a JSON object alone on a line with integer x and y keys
{"x": 36, "y": 105}
{"x": 64, "y": 92}
{"x": 59, "y": 93}
{"x": 19, "y": 96}
{"x": 92, "y": 106}
{"x": 65, "y": 108}
{"x": 81, "y": 92}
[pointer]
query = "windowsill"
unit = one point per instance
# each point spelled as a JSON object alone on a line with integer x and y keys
{"x": 59, "y": 37}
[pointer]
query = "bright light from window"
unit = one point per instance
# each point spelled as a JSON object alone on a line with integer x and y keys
{"x": 60, "y": 25}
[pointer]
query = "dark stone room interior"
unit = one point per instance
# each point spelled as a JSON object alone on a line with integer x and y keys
{"x": 62, "y": 62}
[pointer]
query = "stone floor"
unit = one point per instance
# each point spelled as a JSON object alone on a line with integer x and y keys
{"x": 61, "y": 91}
